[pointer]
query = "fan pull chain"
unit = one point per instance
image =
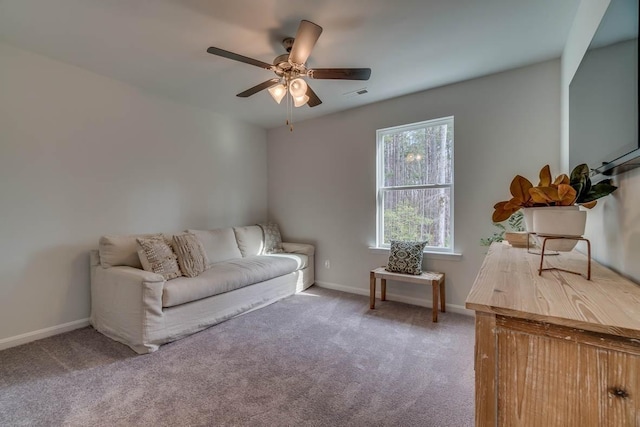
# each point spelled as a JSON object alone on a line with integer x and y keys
{"x": 287, "y": 96}
{"x": 290, "y": 112}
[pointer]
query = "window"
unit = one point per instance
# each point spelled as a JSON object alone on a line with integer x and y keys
{"x": 415, "y": 184}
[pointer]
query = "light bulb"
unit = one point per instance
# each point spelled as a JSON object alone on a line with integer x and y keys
{"x": 278, "y": 92}
{"x": 298, "y": 88}
{"x": 299, "y": 101}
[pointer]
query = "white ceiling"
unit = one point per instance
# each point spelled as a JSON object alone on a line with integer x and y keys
{"x": 410, "y": 45}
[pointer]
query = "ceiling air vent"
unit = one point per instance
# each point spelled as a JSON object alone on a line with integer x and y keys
{"x": 357, "y": 92}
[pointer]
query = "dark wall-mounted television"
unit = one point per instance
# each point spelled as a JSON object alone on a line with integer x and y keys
{"x": 603, "y": 95}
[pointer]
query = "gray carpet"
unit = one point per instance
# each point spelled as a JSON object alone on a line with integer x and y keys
{"x": 320, "y": 358}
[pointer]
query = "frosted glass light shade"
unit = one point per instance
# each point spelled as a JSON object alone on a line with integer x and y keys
{"x": 277, "y": 92}
{"x": 299, "y": 101}
{"x": 298, "y": 88}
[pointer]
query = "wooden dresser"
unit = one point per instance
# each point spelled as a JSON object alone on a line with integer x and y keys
{"x": 556, "y": 349}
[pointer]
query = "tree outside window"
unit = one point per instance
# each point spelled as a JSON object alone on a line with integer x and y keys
{"x": 415, "y": 184}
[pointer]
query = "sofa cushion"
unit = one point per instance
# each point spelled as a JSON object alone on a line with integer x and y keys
{"x": 250, "y": 240}
{"x": 160, "y": 256}
{"x": 272, "y": 238}
{"x": 229, "y": 275}
{"x": 192, "y": 258}
{"x": 121, "y": 250}
{"x": 219, "y": 245}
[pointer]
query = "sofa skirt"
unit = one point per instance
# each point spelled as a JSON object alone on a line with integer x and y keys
{"x": 163, "y": 325}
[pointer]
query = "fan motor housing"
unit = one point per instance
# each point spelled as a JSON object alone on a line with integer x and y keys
{"x": 282, "y": 64}
{"x": 287, "y": 43}
{"x": 282, "y": 61}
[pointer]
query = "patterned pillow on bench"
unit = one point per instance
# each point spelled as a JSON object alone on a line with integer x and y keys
{"x": 406, "y": 257}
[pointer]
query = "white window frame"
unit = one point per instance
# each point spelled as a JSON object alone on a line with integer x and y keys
{"x": 380, "y": 188}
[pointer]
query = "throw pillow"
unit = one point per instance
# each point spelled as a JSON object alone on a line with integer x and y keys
{"x": 406, "y": 257}
{"x": 272, "y": 238}
{"x": 160, "y": 258}
{"x": 116, "y": 250}
{"x": 192, "y": 258}
{"x": 143, "y": 259}
{"x": 146, "y": 266}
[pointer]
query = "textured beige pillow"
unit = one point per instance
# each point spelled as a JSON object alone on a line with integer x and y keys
{"x": 160, "y": 257}
{"x": 191, "y": 255}
{"x": 272, "y": 238}
{"x": 143, "y": 259}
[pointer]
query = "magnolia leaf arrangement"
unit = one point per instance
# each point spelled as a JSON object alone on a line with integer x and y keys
{"x": 562, "y": 191}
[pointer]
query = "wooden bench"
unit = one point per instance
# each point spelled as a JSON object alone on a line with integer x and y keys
{"x": 436, "y": 280}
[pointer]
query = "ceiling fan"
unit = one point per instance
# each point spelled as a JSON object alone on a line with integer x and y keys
{"x": 290, "y": 68}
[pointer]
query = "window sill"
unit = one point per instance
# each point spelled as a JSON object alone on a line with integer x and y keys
{"x": 447, "y": 256}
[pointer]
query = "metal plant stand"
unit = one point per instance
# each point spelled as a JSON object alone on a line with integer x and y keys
{"x": 542, "y": 253}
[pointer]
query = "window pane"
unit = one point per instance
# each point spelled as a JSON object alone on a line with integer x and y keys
{"x": 418, "y": 215}
{"x": 419, "y": 156}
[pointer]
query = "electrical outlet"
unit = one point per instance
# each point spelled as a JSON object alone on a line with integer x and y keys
{"x": 327, "y": 264}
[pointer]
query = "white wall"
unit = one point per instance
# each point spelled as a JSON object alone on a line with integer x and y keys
{"x": 322, "y": 175}
{"x": 82, "y": 155}
{"x": 613, "y": 226}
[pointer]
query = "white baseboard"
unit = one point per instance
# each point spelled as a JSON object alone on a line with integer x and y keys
{"x": 42, "y": 333}
{"x": 422, "y": 302}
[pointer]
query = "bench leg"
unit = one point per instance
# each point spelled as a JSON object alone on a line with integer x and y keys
{"x": 372, "y": 290}
{"x": 383, "y": 289}
{"x": 442, "y": 298}
{"x": 436, "y": 288}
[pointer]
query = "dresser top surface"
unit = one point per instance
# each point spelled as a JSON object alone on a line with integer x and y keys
{"x": 508, "y": 284}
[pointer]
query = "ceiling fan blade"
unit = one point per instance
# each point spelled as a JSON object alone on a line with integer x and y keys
{"x": 340, "y": 73}
{"x": 240, "y": 58}
{"x": 257, "y": 88}
{"x": 305, "y": 40}
{"x": 313, "y": 98}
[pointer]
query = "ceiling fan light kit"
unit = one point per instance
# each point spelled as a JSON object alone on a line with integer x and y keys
{"x": 298, "y": 87}
{"x": 290, "y": 69}
{"x": 299, "y": 101}
{"x": 278, "y": 92}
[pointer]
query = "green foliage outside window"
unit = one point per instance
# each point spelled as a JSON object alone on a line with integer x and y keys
{"x": 405, "y": 223}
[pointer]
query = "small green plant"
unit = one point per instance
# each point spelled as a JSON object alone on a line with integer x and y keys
{"x": 514, "y": 223}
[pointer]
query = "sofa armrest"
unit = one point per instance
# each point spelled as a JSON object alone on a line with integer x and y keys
{"x": 126, "y": 305}
{"x": 94, "y": 258}
{"x": 299, "y": 248}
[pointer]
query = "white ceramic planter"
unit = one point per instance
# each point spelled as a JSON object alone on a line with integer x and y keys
{"x": 528, "y": 218}
{"x": 559, "y": 221}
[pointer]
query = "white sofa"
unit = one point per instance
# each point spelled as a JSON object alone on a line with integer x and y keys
{"x": 142, "y": 310}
